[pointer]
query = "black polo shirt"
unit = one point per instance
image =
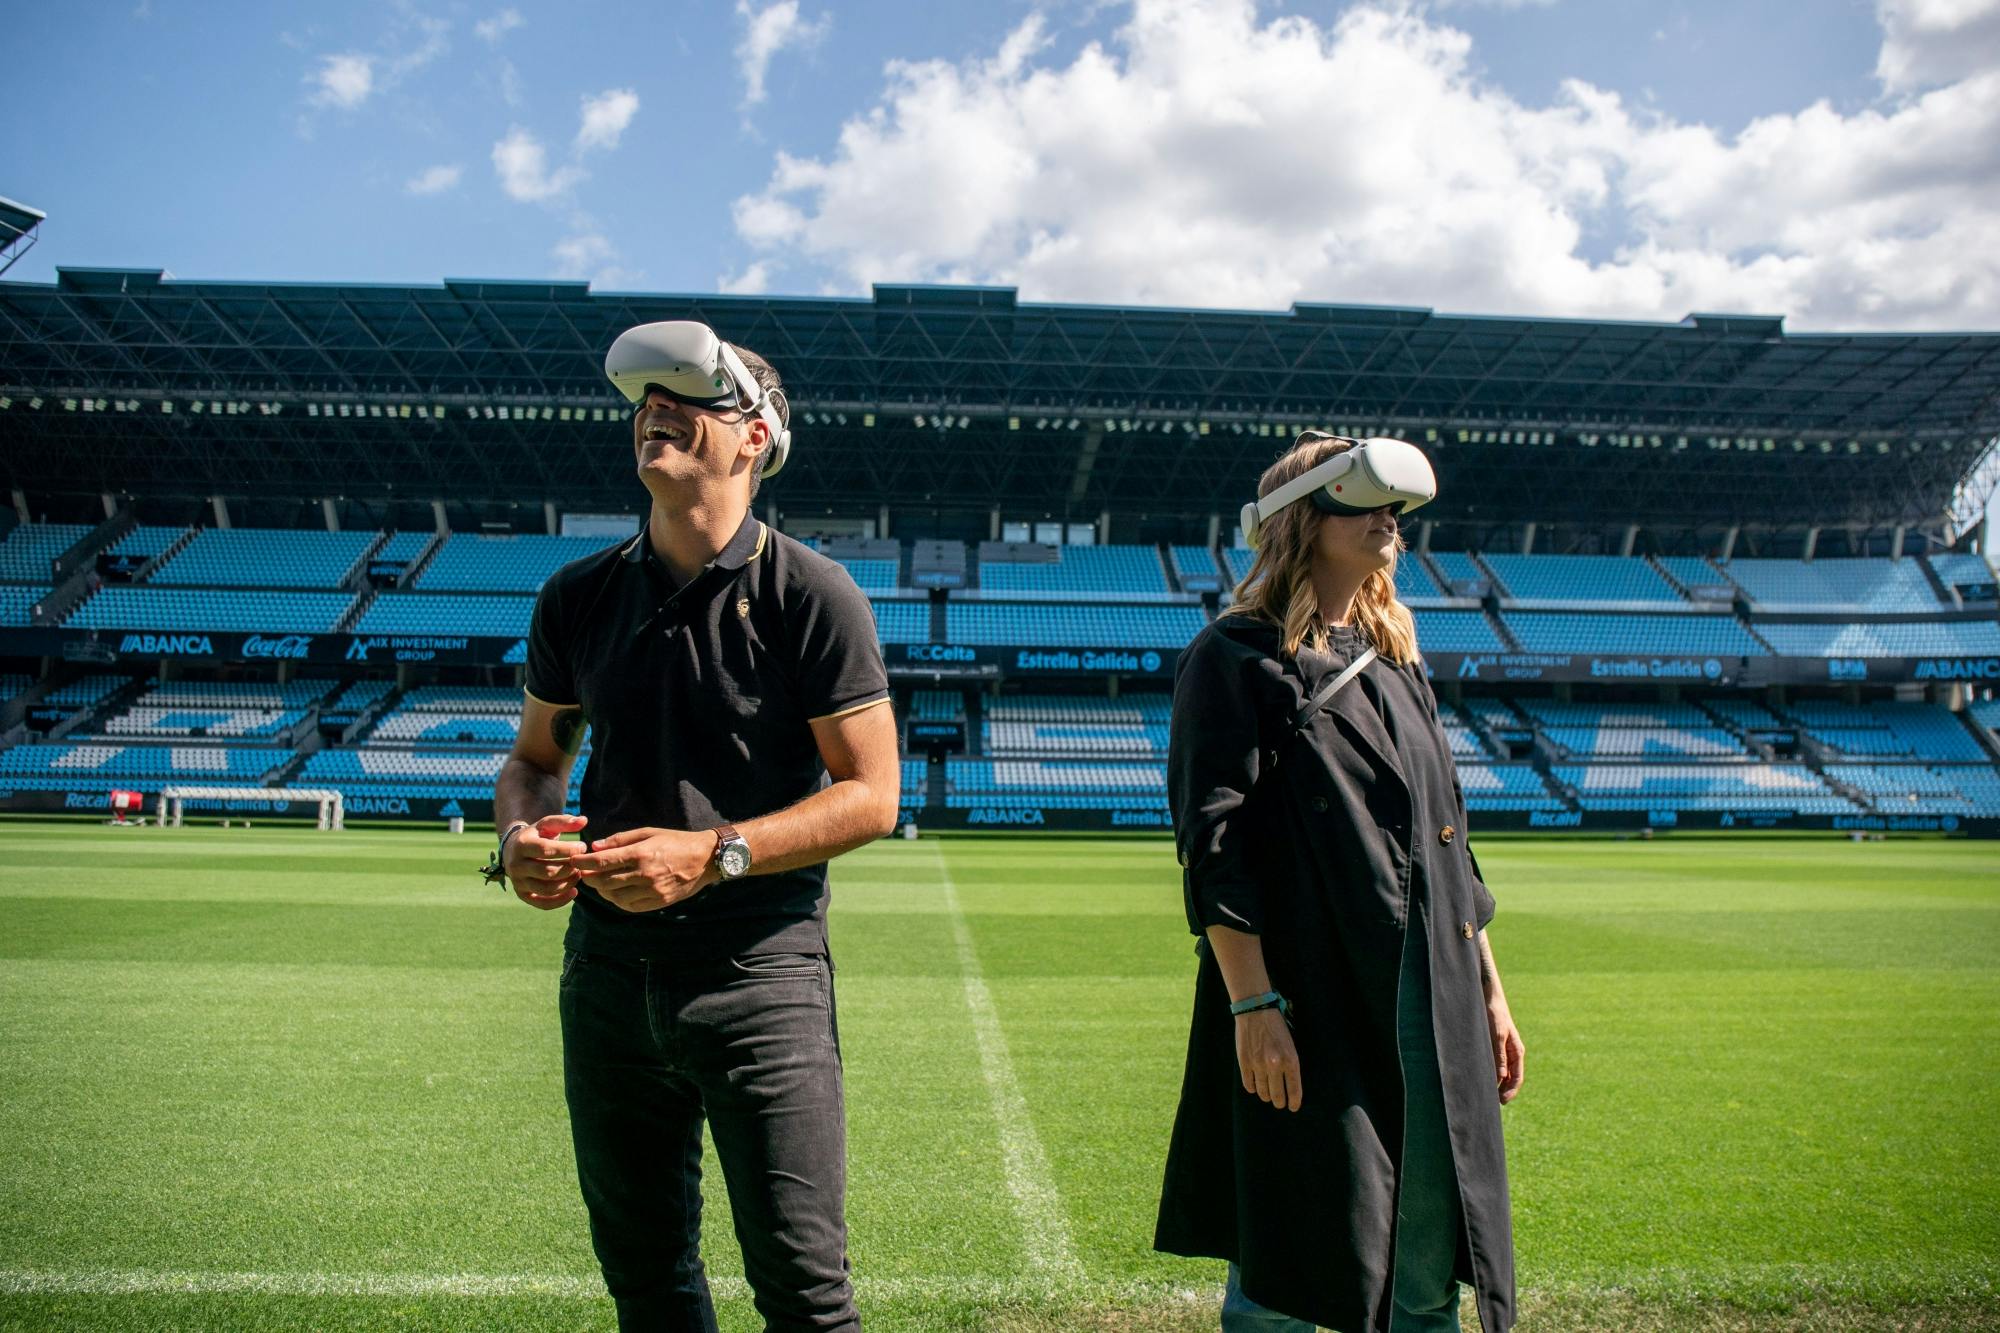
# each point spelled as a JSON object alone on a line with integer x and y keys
{"x": 699, "y": 699}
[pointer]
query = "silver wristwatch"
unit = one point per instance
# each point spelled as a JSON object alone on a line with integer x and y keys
{"x": 732, "y": 854}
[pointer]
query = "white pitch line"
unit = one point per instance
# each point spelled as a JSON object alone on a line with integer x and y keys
{"x": 1044, "y": 1228}
{"x": 568, "y": 1287}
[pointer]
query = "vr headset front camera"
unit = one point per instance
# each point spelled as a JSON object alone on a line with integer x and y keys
{"x": 1374, "y": 474}
{"x": 686, "y": 361}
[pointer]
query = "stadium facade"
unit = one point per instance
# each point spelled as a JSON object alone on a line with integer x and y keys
{"x": 1680, "y": 575}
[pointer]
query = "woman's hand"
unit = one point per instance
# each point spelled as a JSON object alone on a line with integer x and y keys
{"x": 1509, "y": 1055}
{"x": 1267, "y": 1058}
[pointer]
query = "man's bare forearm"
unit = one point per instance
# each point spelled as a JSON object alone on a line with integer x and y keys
{"x": 825, "y": 824}
{"x": 522, "y": 791}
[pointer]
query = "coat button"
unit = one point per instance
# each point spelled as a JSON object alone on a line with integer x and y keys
{"x": 1446, "y": 834}
{"x": 1465, "y": 929}
{"x": 1319, "y": 804}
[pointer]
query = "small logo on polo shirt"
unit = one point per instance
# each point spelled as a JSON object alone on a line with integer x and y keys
{"x": 743, "y": 607}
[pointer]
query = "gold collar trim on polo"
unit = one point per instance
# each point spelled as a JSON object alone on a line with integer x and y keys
{"x": 740, "y": 550}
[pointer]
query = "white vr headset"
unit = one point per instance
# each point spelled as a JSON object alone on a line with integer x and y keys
{"x": 686, "y": 361}
{"x": 1375, "y": 474}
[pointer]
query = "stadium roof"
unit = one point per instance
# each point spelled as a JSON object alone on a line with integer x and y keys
{"x": 968, "y": 397}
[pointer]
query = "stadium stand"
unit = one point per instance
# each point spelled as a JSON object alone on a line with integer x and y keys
{"x": 438, "y": 714}
{"x": 1719, "y": 786}
{"x": 1460, "y": 567}
{"x": 1456, "y": 632}
{"x": 215, "y": 709}
{"x": 265, "y": 558}
{"x": 28, "y": 552}
{"x": 18, "y": 601}
{"x": 179, "y": 610}
{"x": 445, "y": 613}
{"x": 1913, "y": 638}
{"x": 91, "y": 766}
{"x": 1505, "y": 787}
{"x": 147, "y": 542}
{"x": 1114, "y": 571}
{"x": 1696, "y": 573}
{"x": 937, "y": 706}
{"x": 1056, "y": 726}
{"x": 86, "y": 691}
{"x": 405, "y": 546}
{"x": 1968, "y": 574}
{"x": 1580, "y": 580}
{"x": 1068, "y": 625}
{"x": 1901, "y": 730}
{"x": 1834, "y": 584}
{"x": 902, "y": 622}
{"x": 13, "y": 683}
{"x": 1054, "y": 784}
{"x": 362, "y": 694}
{"x": 1609, "y": 632}
{"x": 521, "y": 562}
{"x": 1195, "y": 567}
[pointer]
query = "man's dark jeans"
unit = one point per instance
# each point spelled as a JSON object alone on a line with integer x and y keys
{"x": 649, "y": 1048}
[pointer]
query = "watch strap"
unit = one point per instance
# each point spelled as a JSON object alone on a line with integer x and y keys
{"x": 724, "y": 835}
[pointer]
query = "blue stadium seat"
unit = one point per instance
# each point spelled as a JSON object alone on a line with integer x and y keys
{"x": 192, "y": 610}
{"x": 446, "y": 613}
{"x": 1899, "y": 638}
{"x": 1456, "y": 632}
{"x": 1852, "y": 584}
{"x": 147, "y": 541}
{"x": 17, "y": 602}
{"x": 902, "y": 622}
{"x": 1080, "y": 569}
{"x": 519, "y": 562}
{"x": 265, "y": 558}
{"x": 1072, "y": 625}
{"x": 28, "y": 551}
{"x": 1639, "y": 632}
{"x": 1581, "y": 579}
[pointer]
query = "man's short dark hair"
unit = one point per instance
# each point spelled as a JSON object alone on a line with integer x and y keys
{"x": 771, "y": 383}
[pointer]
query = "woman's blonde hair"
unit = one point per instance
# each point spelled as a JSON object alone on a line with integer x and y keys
{"x": 1278, "y": 589}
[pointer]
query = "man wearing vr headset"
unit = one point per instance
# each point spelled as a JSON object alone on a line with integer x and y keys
{"x": 733, "y": 688}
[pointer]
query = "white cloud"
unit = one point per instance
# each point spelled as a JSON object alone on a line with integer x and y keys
{"x": 523, "y": 167}
{"x": 343, "y": 81}
{"x": 435, "y": 41}
{"x": 605, "y": 117}
{"x": 587, "y": 253}
{"x": 1209, "y": 156}
{"x": 1926, "y": 43}
{"x": 767, "y": 31}
{"x": 493, "y": 29}
{"x": 754, "y": 280}
{"x": 434, "y": 180}
{"x": 350, "y": 78}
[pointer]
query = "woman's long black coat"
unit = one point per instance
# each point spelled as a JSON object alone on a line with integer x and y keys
{"x": 1325, "y": 843}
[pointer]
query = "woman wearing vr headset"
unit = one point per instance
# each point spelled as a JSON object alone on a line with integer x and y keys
{"x": 1338, "y": 1137}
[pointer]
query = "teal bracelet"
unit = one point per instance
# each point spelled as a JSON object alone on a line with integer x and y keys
{"x": 1270, "y": 999}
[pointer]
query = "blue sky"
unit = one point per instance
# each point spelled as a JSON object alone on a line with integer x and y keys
{"x": 1829, "y": 160}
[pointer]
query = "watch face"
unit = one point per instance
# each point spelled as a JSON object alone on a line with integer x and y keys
{"x": 735, "y": 859}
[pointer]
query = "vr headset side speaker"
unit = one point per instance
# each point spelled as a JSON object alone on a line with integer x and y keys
{"x": 692, "y": 365}
{"x": 1373, "y": 474}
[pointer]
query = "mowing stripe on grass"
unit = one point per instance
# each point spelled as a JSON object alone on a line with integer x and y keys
{"x": 157, "y": 1282}
{"x": 1044, "y": 1228}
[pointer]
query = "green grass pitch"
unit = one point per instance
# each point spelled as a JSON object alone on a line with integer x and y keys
{"x": 276, "y": 1078}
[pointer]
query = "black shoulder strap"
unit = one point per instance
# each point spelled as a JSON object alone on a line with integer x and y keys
{"x": 1331, "y": 688}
